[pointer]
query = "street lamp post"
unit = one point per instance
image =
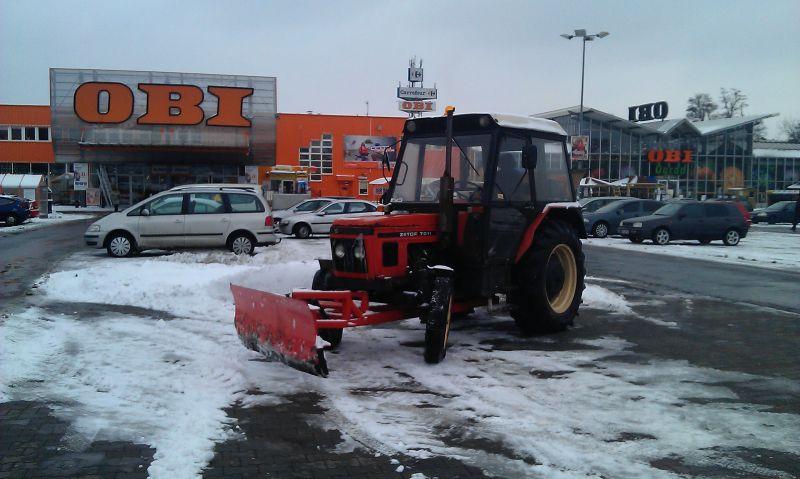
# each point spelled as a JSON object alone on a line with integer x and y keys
{"x": 586, "y": 38}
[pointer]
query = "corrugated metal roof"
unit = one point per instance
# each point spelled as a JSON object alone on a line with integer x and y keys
{"x": 709, "y": 127}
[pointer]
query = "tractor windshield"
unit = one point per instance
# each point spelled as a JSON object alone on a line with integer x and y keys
{"x": 422, "y": 165}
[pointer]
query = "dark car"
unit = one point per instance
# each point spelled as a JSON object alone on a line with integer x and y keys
{"x": 780, "y": 212}
{"x": 590, "y": 205}
{"x": 605, "y": 221}
{"x": 689, "y": 220}
{"x": 13, "y": 210}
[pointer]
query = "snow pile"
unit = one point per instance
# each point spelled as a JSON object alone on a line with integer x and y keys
{"x": 596, "y": 297}
{"x": 38, "y": 222}
{"x": 765, "y": 249}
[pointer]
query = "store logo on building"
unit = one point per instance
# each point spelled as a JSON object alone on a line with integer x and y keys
{"x": 670, "y": 162}
{"x": 650, "y": 111}
{"x": 108, "y": 102}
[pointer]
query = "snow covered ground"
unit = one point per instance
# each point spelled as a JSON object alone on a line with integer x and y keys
{"x": 764, "y": 249}
{"x": 165, "y": 379}
{"x": 36, "y": 223}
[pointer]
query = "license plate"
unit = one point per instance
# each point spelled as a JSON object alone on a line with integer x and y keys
{"x": 624, "y": 231}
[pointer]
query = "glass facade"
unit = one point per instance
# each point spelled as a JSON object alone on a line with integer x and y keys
{"x": 692, "y": 161}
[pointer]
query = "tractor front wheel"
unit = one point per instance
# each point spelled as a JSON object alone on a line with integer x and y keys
{"x": 550, "y": 281}
{"x": 438, "y": 317}
{"x": 322, "y": 282}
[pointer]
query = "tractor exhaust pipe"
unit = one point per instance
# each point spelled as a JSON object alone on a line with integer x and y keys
{"x": 446, "y": 187}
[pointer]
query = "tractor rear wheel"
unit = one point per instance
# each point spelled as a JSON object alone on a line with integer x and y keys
{"x": 438, "y": 317}
{"x": 550, "y": 280}
{"x": 321, "y": 282}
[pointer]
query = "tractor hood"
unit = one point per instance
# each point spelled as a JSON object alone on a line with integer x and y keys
{"x": 389, "y": 223}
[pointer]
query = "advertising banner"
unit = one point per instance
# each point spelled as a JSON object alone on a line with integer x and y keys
{"x": 81, "y": 176}
{"x": 580, "y": 145}
{"x": 368, "y": 148}
{"x": 93, "y": 197}
{"x": 416, "y": 93}
{"x": 416, "y": 106}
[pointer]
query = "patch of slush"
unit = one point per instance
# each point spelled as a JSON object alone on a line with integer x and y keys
{"x": 597, "y": 297}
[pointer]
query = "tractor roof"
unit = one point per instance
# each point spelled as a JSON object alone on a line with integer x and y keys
{"x": 471, "y": 121}
{"x": 528, "y": 123}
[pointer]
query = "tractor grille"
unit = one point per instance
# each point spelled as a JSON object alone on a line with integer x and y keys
{"x": 349, "y": 263}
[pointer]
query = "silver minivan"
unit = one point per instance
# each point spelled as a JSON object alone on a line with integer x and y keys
{"x": 236, "y": 217}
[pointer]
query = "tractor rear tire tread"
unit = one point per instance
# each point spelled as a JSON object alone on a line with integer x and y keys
{"x": 530, "y": 307}
{"x": 437, "y": 320}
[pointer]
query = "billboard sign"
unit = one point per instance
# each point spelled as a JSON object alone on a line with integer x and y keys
{"x": 580, "y": 145}
{"x": 369, "y": 148}
{"x": 414, "y": 93}
{"x": 104, "y": 115}
{"x": 415, "y": 74}
{"x": 416, "y": 106}
{"x": 650, "y": 111}
{"x": 81, "y": 182}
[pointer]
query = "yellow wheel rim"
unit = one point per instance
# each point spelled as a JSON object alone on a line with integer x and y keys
{"x": 561, "y": 278}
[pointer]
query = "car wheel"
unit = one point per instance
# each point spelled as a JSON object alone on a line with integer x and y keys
{"x": 302, "y": 231}
{"x": 120, "y": 245}
{"x": 600, "y": 230}
{"x": 636, "y": 239}
{"x": 11, "y": 220}
{"x": 661, "y": 236}
{"x": 731, "y": 237}
{"x": 241, "y": 243}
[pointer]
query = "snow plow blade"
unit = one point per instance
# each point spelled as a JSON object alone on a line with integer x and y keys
{"x": 279, "y": 327}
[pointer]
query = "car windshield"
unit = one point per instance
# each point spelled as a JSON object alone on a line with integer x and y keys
{"x": 311, "y": 205}
{"x": 777, "y": 206}
{"x": 668, "y": 210}
{"x": 422, "y": 164}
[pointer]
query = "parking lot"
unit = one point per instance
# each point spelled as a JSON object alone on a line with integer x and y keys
{"x": 679, "y": 365}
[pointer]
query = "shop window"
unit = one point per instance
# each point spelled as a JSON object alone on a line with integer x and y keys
{"x": 4, "y": 133}
{"x": 363, "y": 186}
{"x": 44, "y": 134}
{"x": 16, "y": 134}
{"x": 30, "y": 133}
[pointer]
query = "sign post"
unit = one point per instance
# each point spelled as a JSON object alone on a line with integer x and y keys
{"x": 415, "y": 98}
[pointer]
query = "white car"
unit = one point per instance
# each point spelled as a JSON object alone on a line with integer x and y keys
{"x": 304, "y": 225}
{"x": 306, "y": 206}
{"x": 188, "y": 216}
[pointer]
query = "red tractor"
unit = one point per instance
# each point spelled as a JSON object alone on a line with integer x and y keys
{"x": 479, "y": 207}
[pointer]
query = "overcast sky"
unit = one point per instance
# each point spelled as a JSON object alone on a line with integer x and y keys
{"x": 505, "y": 56}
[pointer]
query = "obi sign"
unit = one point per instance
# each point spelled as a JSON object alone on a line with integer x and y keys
{"x": 416, "y": 106}
{"x": 650, "y": 111}
{"x": 670, "y": 162}
{"x": 108, "y": 102}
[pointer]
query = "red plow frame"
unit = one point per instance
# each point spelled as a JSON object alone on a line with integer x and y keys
{"x": 285, "y": 328}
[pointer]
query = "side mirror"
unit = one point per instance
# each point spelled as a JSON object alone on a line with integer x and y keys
{"x": 530, "y": 155}
{"x": 145, "y": 212}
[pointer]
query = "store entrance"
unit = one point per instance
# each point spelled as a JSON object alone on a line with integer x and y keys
{"x": 130, "y": 189}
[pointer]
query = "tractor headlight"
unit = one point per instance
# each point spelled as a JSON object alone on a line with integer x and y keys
{"x": 637, "y": 224}
{"x": 358, "y": 251}
{"x": 339, "y": 251}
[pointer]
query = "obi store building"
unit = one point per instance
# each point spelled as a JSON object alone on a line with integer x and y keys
{"x": 712, "y": 158}
{"x": 135, "y": 133}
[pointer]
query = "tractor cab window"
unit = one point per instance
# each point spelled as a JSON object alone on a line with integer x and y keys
{"x": 512, "y": 181}
{"x": 551, "y": 175}
{"x": 422, "y": 165}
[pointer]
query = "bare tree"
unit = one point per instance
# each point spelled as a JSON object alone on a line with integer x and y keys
{"x": 700, "y": 106}
{"x": 733, "y": 102}
{"x": 791, "y": 128}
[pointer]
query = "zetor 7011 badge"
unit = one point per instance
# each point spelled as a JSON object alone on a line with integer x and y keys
{"x": 464, "y": 222}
